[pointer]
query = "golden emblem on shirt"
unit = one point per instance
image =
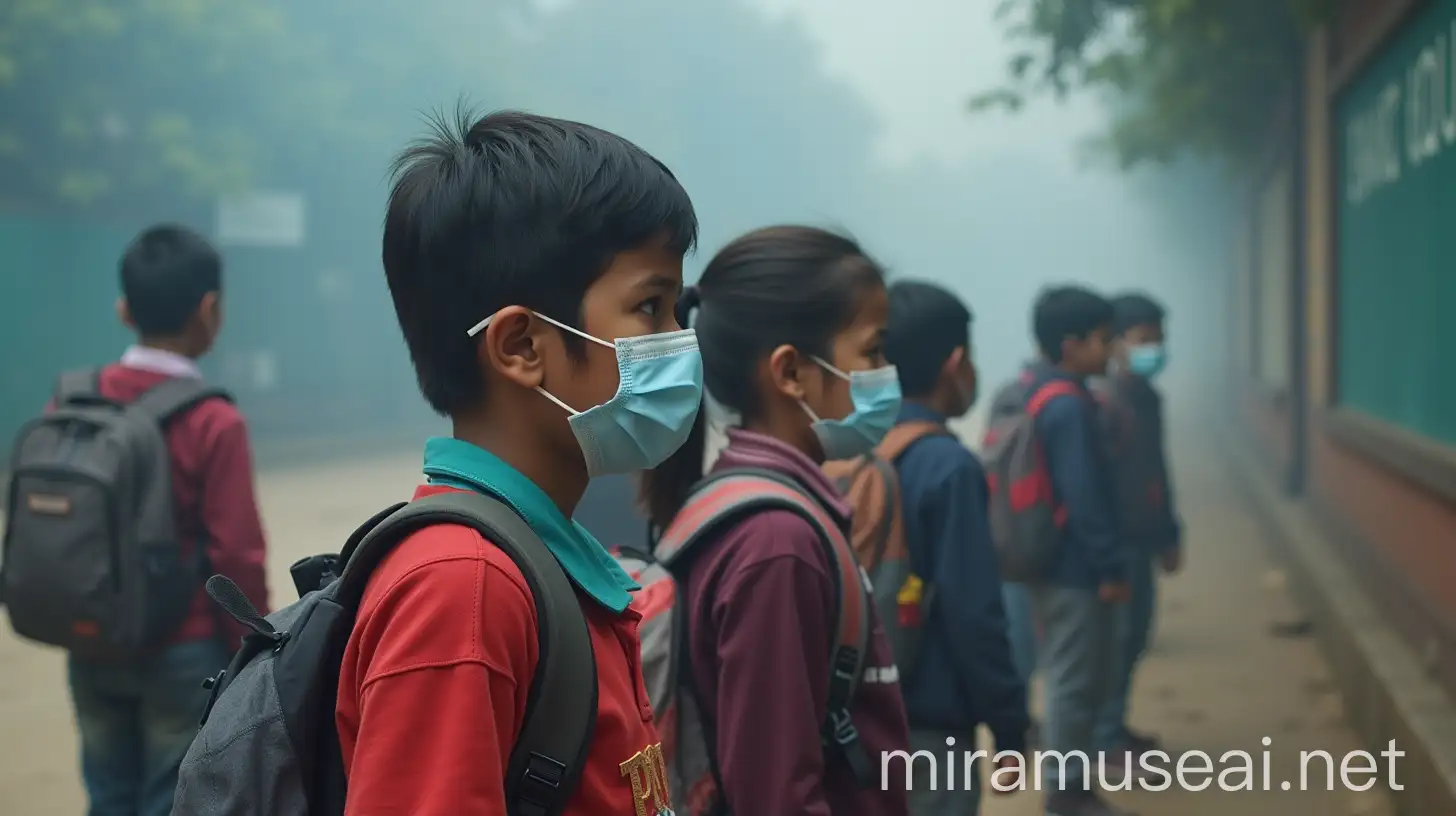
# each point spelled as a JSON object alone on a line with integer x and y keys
{"x": 648, "y": 772}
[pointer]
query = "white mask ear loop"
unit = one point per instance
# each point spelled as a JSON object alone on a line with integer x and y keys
{"x": 830, "y": 368}
{"x": 481, "y": 326}
{"x": 547, "y": 394}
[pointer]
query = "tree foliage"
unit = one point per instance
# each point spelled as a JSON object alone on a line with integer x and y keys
{"x": 1202, "y": 76}
{"x": 108, "y": 103}
{"x": 101, "y": 97}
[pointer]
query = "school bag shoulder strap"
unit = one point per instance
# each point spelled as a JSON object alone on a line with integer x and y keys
{"x": 545, "y": 764}
{"x": 726, "y": 495}
{"x": 881, "y": 462}
{"x": 1048, "y": 391}
{"x": 905, "y": 434}
{"x": 174, "y": 395}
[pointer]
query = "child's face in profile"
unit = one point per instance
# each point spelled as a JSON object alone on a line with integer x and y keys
{"x": 1088, "y": 356}
{"x": 1145, "y": 334}
{"x": 860, "y": 346}
{"x": 635, "y": 296}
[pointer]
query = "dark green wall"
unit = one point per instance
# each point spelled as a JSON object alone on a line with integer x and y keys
{"x": 320, "y": 312}
{"x": 57, "y": 296}
{"x": 1396, "y": 263}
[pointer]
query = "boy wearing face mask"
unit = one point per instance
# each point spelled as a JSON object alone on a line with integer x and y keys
{"x": 1133, "y": 413}
{"x": 534, "y": 265}
{"x": 965, "y": 675}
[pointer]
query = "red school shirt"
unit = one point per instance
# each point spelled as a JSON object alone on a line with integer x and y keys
{"x": 433, "y": 687}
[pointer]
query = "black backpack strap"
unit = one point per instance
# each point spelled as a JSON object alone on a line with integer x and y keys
{"x": 79, "y": 385}
{"x": 546, "y": 763}
{"x": 728, "y": 494}
{"x": 174, "y": 395}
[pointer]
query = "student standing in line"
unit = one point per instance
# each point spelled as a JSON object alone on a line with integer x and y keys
{"x": 1076, "y": 602}
{"x": 137, "y": 717}
{"x": 791, "y": 321}
{"x": 534, "y": 265}
{"x": 1021, "y": 633}
{"x": 1133, "y": 412}
{"x": 966, "y": 675}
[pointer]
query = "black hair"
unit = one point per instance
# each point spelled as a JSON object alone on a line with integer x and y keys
{"x": 166, "y": 271}
{"x": 513, "y": 209}
{"x": 1067, "y": 311}
{"x": 1135, "y": 309}
{"x": 927, "y": 323}
{"x": 784, "y": 285}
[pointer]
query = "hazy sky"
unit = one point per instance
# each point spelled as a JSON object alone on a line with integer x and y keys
{"x": 995, "y": 205}
{"x": 917, "y": 62}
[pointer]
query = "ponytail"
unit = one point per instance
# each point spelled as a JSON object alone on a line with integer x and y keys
{"x": 664, "y": 490}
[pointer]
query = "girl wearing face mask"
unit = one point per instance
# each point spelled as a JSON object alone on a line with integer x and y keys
{"x": 790, "y": 324}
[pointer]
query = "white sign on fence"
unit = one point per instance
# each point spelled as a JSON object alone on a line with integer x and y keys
{"x": 271, "y": 219}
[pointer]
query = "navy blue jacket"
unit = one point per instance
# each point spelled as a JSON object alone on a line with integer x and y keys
{"x": 1074, "y": 442}
{"x": 966, "y": 676}
{"x": 1132, "y": 412}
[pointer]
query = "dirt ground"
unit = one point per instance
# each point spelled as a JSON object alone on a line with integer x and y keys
{"x": 1219, "y": 680}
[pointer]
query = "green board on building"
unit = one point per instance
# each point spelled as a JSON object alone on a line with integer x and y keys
{"x": 58, "y": 288}
{"x": 1395, "y": 130}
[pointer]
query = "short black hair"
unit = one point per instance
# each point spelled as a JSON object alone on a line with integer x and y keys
{"x": 166, "y": 271}
{"x": 1136, "y": 309}
{"x": 927, "y": 323}
{"x": 512, "y": 209}
{"x": 1067, "y": 311}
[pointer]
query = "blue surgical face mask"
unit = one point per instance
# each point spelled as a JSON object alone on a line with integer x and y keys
{"x": 659, "y": 390}
{"x": 1147, "y": 360}
{"x": 876, "y": 397}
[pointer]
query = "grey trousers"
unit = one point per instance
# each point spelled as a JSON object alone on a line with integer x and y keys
{"x": 949, "y": 793}
{"x": 1079, "y": 661}
{"x": 1134, "y": 630}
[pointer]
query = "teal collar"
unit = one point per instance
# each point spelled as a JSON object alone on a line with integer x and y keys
{"x": 459, "y": 464}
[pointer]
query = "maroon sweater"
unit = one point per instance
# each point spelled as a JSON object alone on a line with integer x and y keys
{"x": 212, "y": 491}
{"x": 761, "y": 623}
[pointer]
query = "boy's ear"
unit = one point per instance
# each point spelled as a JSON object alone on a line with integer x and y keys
{"x": 123, "y": 313}
{"x": 209, "y": 312}
{"x": 512, "y": 345}
{"x": 952, "y": 364}
{"x": 784, "y": 364}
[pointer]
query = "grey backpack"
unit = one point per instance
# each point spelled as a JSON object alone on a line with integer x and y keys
{"x": 268, "y": 745}
{"x": 92, "y": 560}
{"x": 1026, "y": 517}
